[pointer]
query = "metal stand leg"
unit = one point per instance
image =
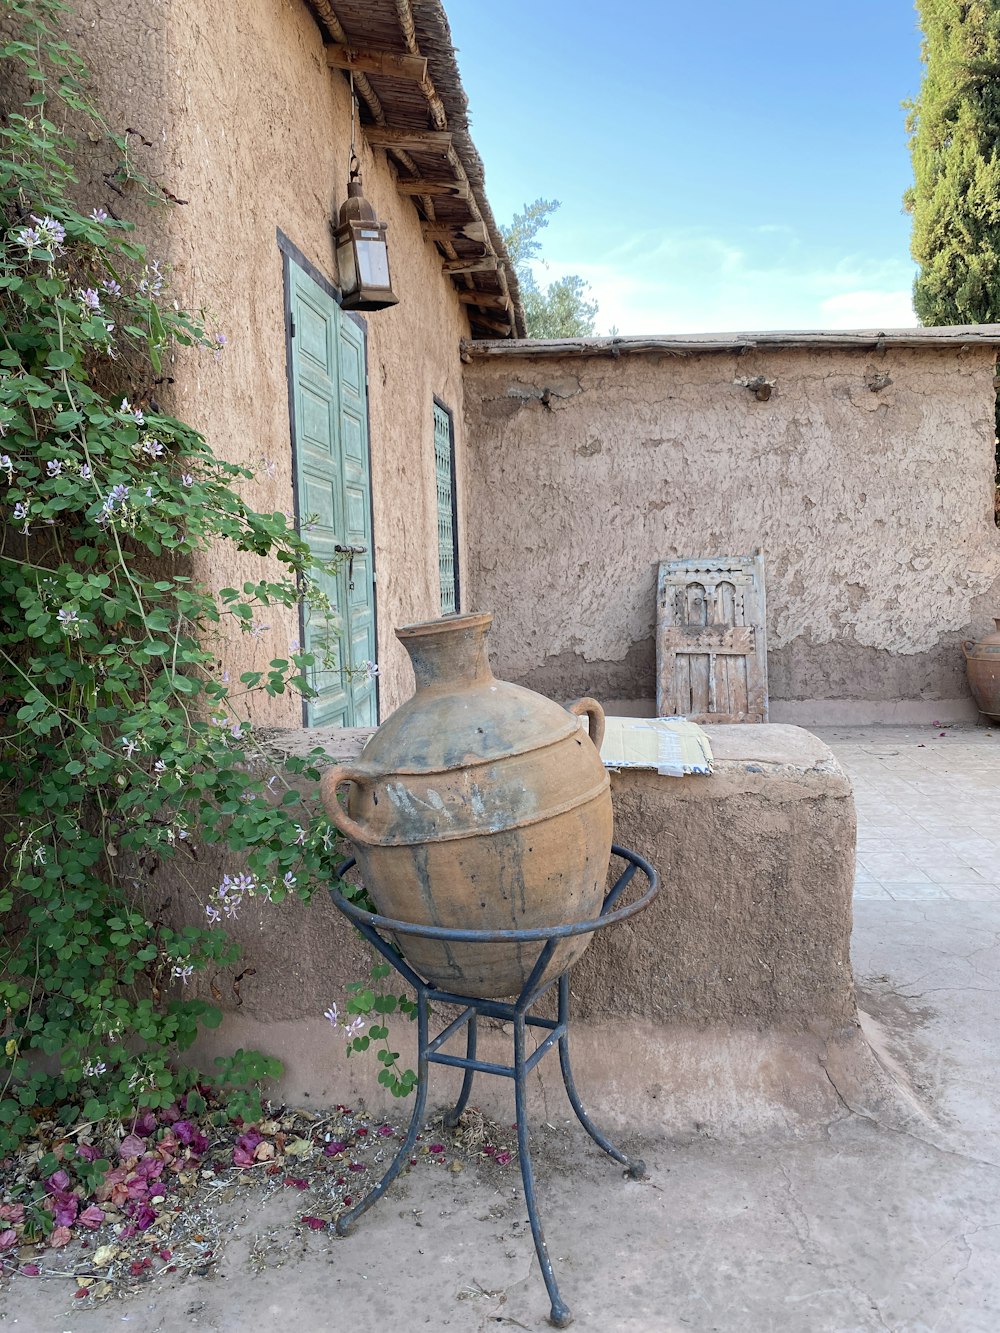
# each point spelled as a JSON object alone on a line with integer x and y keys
{"x": 346, "y": 1220}
{"x": 370, "y": 924}
{"x": 560, "y": 1315}
{"x": 635, "y": 1167}
{"x": 452, "y": 1118}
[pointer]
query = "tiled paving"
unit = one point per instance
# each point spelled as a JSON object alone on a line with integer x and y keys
{"x": 928, "y": 801}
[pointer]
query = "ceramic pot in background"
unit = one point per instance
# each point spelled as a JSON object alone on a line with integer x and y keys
{"x": 478, "y": 805}
{"x": 982, "y": 665}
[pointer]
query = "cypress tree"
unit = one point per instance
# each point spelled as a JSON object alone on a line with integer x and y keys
{"x": 954, "y": 128}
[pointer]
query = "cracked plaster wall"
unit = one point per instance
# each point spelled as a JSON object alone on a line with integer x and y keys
{"x": 247, "y": 124}
{"x": 865, "y": 479}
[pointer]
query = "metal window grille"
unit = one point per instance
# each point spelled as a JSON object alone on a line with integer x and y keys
{"x": 445, "y": 475}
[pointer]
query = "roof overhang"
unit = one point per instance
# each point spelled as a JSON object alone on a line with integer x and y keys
{"x": 413, "y": 107}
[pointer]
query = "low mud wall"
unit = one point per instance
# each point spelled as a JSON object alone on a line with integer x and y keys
{"x": 863, "y": 474}
{"x": 729, "y": 1002}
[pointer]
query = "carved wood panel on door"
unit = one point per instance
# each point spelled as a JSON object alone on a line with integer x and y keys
{"x": 711, "y": 646}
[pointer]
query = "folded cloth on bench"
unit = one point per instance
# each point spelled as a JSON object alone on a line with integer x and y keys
{"x": 673, "y": 746}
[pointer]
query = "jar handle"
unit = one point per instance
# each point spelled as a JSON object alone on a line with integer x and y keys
{"x": 595, "y": 716}
{"x": 332, "y": 779}
{"x": 967, "y": 646}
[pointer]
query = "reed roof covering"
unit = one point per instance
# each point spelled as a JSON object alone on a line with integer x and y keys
{"x": 412, "y": 105}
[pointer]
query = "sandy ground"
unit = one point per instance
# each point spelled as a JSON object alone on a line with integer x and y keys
{"x": 856, "y": 1225}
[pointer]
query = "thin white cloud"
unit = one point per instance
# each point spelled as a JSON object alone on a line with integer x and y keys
{"x": 869, "y": 310}
{"x": 688, "y": 281}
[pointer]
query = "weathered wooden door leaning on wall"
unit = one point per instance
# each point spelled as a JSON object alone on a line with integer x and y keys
{"x": 333, "y": 495}
{"x": 711, "y": 649}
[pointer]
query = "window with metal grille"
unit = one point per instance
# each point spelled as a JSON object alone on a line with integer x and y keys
{"x": 444, "y": 470}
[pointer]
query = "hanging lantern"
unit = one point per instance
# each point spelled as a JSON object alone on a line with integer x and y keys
{"x": 362, "y": 254}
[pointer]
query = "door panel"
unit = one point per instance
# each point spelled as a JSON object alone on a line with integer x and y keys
{"x": 333, "y": 487}
{"x": 711, "y": 652}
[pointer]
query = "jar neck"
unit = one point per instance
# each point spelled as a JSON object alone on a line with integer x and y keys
{"x": 449, "y": 653}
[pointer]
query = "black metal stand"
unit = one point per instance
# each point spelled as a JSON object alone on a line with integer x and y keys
{"x": 517, "y": 1013}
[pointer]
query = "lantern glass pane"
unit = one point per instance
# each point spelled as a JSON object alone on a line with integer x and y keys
{"x": 346, "y": 266}
{"x": 373, "y": 261}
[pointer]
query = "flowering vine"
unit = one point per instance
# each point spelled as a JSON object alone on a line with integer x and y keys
{"x": 122, "y": 747}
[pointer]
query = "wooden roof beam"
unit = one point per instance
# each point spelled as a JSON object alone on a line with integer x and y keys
{"x": 366, "y": 60}
{"x": 384, "y": 137}
{"x": 459, "y": 189}
{"x": 488, "y": 300}
{"x": 479, "y": 264}
{"x": 494, "y": 325}
{"x": 473, "y": 230}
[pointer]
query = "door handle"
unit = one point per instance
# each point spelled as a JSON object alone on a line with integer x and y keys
{"x": 350, "y": 552}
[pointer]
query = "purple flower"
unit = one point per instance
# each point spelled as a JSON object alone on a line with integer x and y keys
{"x": 6, "y": 465}
{"x": 184, "y": 1130}
{"x": 152, "y": 283}
{"x": 88, "y": 1152}
{"x": 331, "y": 1014}
{"x": 182, "y": 973}
{"x": 116, "y": 496}
{"x": 289, "y": 880}
{"x": 134, "y": 412}
{"x": 20, "y": 510}
{"x": 53, "y": 467}
{"x": 67, "y": 616}
{"x": 85, "y": 472}
{"x": 153, "y": 448}
{"x": 144, "y": 1217}
{"x": 67, "y": 1207}
{"x": 187, "y": 479}
{"x": 213, "y": 914}
{"x": 89, "y": 299}
{"x": 99, "y": 215}
{"x": 48, "y": 234}
{"x": 112, "y": 287}
{"x": 52, "y": 229}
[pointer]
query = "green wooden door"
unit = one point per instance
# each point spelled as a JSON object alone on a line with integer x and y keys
{"x": 333, "y": 490}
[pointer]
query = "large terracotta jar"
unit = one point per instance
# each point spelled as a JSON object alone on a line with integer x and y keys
{"x": 478, "y": 805}
{"x": 982, "y": 665}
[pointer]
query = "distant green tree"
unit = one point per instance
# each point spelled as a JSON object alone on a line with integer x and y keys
{"x": 561, "y": 310}
{"x": 954, "y": 128}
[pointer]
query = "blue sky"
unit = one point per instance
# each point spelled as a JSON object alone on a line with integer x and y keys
{"x": 721, "y": 166}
